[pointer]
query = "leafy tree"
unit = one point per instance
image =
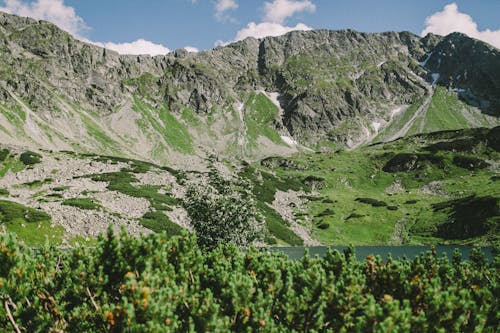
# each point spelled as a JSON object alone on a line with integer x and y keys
{"x": 223, "y": 211}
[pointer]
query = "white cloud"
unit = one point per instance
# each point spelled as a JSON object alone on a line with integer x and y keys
{"x": 275, "y": 14}
{"x": 191, "y": 49}
{"x": 221, "y": 8}
{"x": 49, "y": 10}
{"x": 266, "y": 29}
{"x": 452, "y": 20}
{"x": 278, "y": 10}
{"x": 65, "y": 17}
{"x": 137, "y": 47}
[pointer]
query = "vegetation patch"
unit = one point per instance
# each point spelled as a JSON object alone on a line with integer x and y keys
{"x": 83, "y": 203}
{"x": 470, "y": 217}
{"x": 407, "y": 162}
{"x": 4, "y": 153}
{"x": 373, "y": 202}
{"x": 4, "y": 192}
{"x": 122, "y": 182}
{"x": 38, "y": 183}
{"x": 159, "y": 222}
{"x": 30, "y": 158}
{"x": 31, "y": 225}
{"x": 157, "y": 283}
{"x": 469, "y": 163}
{"x": 60, "y": 188}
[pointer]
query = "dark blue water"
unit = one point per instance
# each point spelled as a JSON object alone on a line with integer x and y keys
{"x": 362, "y": 252}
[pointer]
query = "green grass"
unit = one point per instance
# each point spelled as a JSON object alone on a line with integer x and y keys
{"x": 37, "y": 183}
{"x": 83, "y": 203}
{"x": 159, "y": 222}
{"x": 122, "y": 182}
{"x": 161, "y": 120}
{"x": 260, "y": 112}
{"x": 11, "y": 163}
{"x": 398, "y": 122}
{"x": 31, "y": 225}
{"x": 265, "y": 187}
{"x": 4, "y": 192}
{"x": 354, "y": 207}
{"x": 98, "y": 134}
{"x": 190, "y": 117}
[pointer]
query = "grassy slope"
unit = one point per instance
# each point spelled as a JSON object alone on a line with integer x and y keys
{"x": 445, "y": 112}
{"x": 259, "y": 115}
{"x": 358, "y": 174}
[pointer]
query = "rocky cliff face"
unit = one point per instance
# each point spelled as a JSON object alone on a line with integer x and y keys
{"x": 470, "y": 67}
{"x": 246, "y": 99}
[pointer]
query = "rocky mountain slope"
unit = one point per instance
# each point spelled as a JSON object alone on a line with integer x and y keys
{"x": 344, "y": 133}
{"x": 249, "y": 99}
{"x": 429, "y": 188}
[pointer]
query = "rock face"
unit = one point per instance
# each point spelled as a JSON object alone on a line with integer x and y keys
{"x": 469, "y": 66}
{"x": 331, "y": 86}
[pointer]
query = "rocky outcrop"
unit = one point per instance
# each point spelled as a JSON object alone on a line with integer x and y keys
{"x": 469, "y": 66}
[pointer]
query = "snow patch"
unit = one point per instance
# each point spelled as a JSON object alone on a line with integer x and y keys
{"x": 397, "y": 110}
{"x": 435, "y": 78}
{"x": 423, "y": 63}
{"x": 376, "y": 125}
{"x": 242, "y": 134}
{"x": 273, "y": 96}
{"x": 288, "y": 140}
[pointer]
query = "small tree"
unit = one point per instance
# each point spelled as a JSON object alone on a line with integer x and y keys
{"x": 223, "y": 211}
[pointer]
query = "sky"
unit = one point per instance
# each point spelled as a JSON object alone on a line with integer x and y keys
{"x": 159, "y": 26}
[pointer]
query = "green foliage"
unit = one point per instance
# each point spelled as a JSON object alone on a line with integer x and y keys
{"x": 4, "y": 153}
{"x": 4, "y": 191}
{"x": 377, "y": 191}
{"x": 11, "y": 211}
{"x": 60, "y": 188}
{"x": 83, "y": 203}
{"x": 159, "y": 222}
{"x": 38, "y": 183}
{"x": 165, "y": 124}
{"x": 264, "y": 188}
{"x": 30, "y": 158}
{"x": 31, "y": 225}
{"x": 156, "y": 284}
{"x": 260, "y": 112}
{"x": 122, "y": 182}
{"x": 222, "y": 211}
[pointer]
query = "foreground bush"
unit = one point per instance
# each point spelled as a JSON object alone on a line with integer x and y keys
{"x": 155, "y": 284}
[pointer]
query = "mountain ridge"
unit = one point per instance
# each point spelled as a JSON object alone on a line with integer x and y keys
{"x": 329, "y": 88}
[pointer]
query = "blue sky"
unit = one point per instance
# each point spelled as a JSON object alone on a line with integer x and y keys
{"x": 162, "y": 25}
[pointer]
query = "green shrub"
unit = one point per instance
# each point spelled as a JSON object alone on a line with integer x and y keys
{"x": 159, "y": 222}
{"x": 30, "y": 158}
{"x": 4, "y": 153}
{"x": 159, "y": 284}
{"x": 83, "y": 203}
{"x": 223, "y": 211}
{"x": 11, "y": 211}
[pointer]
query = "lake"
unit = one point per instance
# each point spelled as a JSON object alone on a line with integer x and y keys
{"x": 297, "y": 252}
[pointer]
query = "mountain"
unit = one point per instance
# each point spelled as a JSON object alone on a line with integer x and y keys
{"x": 345, "y": 137}
{"x": 249, "y": 99}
